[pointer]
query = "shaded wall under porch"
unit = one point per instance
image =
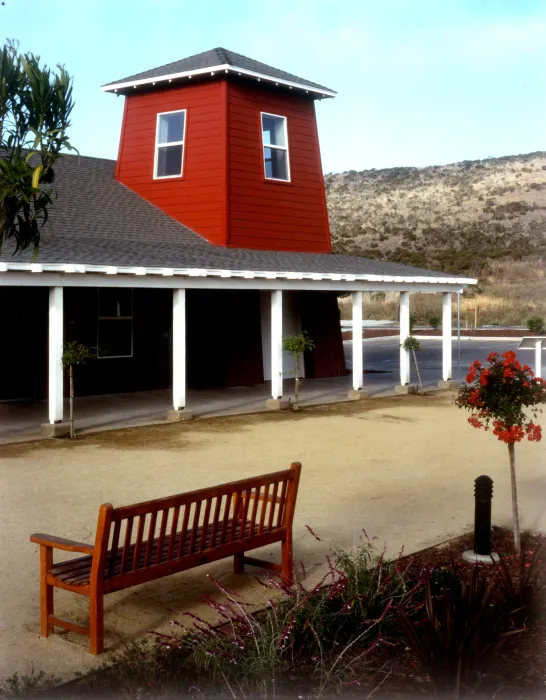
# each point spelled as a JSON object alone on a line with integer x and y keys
{"x": 227, "y": 338}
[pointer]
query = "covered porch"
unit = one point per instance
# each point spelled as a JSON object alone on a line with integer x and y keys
{"x": 250, "y": 375}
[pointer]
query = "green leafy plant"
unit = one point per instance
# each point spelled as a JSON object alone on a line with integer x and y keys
{"x": 536, "y": 324}
{"x": 411, "y": 343}
{"x": 458, "y": 625}
{"x": 75, "y": 353}
{"x": 499, "y": 397}
{"x": 434, "y": 321}
{"x": 35, "y": 108}
{"x": 296, "y": 345}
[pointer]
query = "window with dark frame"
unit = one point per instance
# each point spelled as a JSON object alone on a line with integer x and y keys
{"x": 169, "y": 144}
{"x": 275, "y": 147}
{"x": 115, "y": 322}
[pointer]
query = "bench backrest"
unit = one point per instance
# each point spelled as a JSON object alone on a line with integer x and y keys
{"x": 157, "y": 534}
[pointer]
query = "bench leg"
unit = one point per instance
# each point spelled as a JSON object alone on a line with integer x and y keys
{"x": 46, "y": 591}
{"x": 239, "y": 563}
{"x": 96, "y": 623}
{"x": 287, "y": 569}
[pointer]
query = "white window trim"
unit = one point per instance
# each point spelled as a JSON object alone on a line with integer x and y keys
{"x": 170, "y": 143}
{"x": 280, "y": 148}
{"x": 114, "y": 318}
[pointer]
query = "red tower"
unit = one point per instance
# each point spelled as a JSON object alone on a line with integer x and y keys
{"x": 229, "y": 147}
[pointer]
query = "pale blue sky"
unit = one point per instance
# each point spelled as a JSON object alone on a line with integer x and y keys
{"x": 419, "y": 82}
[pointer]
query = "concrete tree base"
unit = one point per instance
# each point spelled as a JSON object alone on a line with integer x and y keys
{"x": 178, "y": 416}
{"x": 473, "y": 558}
{"x": 447, "y": 385}
{"x": 405, "y": 389}
{"x": 277, "y": 404}
{"x": 55, "y": 430}
{"x": 357, "y": 394}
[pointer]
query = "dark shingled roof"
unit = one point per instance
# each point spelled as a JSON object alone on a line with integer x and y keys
{"x": 214, "y": 58}
{"x": 98, "y": 221}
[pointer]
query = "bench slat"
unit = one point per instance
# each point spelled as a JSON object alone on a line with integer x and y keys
{"x": 282, "y": 503}
{"x": 195, "y": 525}
{"x": 217, "y": 509}
{"x": 205, "y": 524}
{"x": 127, "y": 544}
{"x": 162, "y": 531}
{"x": 264, "y": 508}
{"x": 184, "y": 530}
{"x": 174, "y": 525}
{"x": 151, "y": 535}
{"x": 138, "y": 544}
{"x": 272, "y": 507}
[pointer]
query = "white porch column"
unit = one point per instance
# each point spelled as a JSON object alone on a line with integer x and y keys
{"x": 179, "y": 357}
{"x": 55, "y": 354}
{"x": 276, "y": 344}
{"x": 538, "y": 358}
{"x": 404, "y": 333}
{"x": 358, "y": 368}
{"x": 446, "y": 337}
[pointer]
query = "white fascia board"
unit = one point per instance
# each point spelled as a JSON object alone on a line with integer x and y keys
{"x": 226, "y": 67}
{"x": 6, "y": 267}
{"x": 176, "y": 281}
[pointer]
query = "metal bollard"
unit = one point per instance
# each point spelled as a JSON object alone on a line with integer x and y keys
{"x": 483, "y": 494}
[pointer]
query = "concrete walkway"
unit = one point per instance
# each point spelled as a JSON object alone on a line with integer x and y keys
{"x": 22, "y": 421}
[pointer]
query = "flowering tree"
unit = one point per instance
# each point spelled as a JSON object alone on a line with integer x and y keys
{"x": 498, "y": 396}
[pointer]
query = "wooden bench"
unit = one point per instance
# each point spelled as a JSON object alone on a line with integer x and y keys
{"x": 149, "y": 540}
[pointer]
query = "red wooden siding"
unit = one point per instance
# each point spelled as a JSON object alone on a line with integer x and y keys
{"x": 197, "y": 199}
{"x": 222, "y": 194}
{"x": 320, "y": 318}
{"x": 274, "y": 215}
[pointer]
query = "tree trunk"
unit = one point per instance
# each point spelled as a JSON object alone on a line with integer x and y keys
{"x": 71, "y": 376}
{"x": 418, "y": 373}
{"x": 515, "y": 515}
{"x": 297, "y": 385}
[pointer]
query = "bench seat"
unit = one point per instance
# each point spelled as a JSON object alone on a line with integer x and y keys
{"x": 77, "y": 572}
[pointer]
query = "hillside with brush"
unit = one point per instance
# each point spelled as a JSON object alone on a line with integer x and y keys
{"x": 486, "y": 218}
{"x": 449, "y": 217}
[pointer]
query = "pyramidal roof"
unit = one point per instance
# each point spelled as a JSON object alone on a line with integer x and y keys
{"x": 213, "y": 61}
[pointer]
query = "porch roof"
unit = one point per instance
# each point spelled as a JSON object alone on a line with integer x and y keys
{"x": 98, "y": 225}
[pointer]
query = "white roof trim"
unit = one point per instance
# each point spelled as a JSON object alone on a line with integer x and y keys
{"x": 226, "y": 67}
{"x": 6, "y": 267}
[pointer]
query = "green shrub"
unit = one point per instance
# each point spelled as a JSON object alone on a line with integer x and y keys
{"x": 536, "y": 324}
{"x": 434, "y": 321}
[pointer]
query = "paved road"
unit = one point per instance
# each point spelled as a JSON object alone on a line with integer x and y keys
{"x": 382, "y": 355}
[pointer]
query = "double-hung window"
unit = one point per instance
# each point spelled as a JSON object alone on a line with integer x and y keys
{"x": 275, "y": 147}
{"x": 115, "y": 322}
{"x": 169, "y": 144}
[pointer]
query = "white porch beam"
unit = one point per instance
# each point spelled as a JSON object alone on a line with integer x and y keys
{"x": 276, "y": 344}
{"x": 358, "y": 368}
{"x": 179, "y": 357}
{"x": 446, "y": 337}
{"x": 404, "y": 333}
{"x": 538, "y": 358}
{"x": 55, "y": 369}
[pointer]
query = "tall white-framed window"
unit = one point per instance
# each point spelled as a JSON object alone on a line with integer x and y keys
{"x": 115, "y": 322}
{"x": 170, "y": 136}
{"x": 275, "y": 147}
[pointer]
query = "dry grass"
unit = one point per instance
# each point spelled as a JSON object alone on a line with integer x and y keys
{"x": 508, "y": 292}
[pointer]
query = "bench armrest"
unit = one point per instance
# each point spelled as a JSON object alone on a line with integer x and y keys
{"x": 62, "y": 543}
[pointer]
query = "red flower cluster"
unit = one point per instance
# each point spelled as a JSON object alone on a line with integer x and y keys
{"x": 500, "y": 393}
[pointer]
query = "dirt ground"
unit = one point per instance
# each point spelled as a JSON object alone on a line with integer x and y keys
{"x": 401, "y": 467}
